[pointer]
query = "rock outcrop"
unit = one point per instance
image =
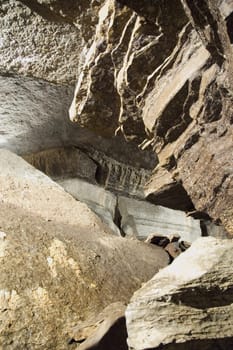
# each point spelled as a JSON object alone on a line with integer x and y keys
{"x": 178, "y": 106}
{"x": 180, "y": 103}
{"x": 59, "y": 263}
{"x": 151, "y": 121}
{"x": 187, "y": 305}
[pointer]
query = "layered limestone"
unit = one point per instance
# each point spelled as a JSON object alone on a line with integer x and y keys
{"x": 59, "y": 263}
{"x": 43, "y": 47}
{"x": 91, "y": 176}
{"x": 102, "y": 202}
{"x": 180, "y": 103}
{"x": 187, "y": 305}
{"x": 140, "y": 219}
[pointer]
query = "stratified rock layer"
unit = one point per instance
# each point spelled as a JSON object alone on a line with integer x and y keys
{"x": 180, "y": 103}
{"x": 59, "y": 262}
{"x": 187, "y": 305}
{"x": 139, "y": 219}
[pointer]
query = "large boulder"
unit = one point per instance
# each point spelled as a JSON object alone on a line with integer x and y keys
{"x": 187, "y": 305}
{"x": 59, "y": 263}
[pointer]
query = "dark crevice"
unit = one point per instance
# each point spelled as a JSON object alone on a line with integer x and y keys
{"x": 172, "y": 196}
{"x": 203, "y": 298}
{"x": 202, "y": 18}
{"x": 73, "y": 341}
{"x": 229, "y": 23}
{"x": 117, "y": 218}
{"x": 45, "y": 12}
{"x": 219, "y": 187}
{"x": 204, "y": 231}
{"x": 200, "y": 344}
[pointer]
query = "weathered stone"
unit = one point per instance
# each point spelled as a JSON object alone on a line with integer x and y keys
{"x": 184, "y": 245}
{"x": 173, "y": 250}
{"x": 59, "y": 263}
{"x": 188, "y": 304}
{"x": 63, "y": 163}
{"x": 106, "y": 331}
{"x": 178, "y": 104}
{"x": 121, "y": 177}
{"x": 33, "y": 114}
{"x": 34, "y": 45}
{"x": 140, "y": 219}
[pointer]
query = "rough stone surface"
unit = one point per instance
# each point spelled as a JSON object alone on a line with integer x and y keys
{"x": 180, "y": 103}
{"x": 33, "y": 114}
{"x": 153, "y": 112}
{"x": 59, "y": 263}
{"x": 187, "y": 305}
{"x": 63, "y": 163}
{"x": 33, "y": 44}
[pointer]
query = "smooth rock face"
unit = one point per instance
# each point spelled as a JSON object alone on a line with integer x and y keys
{"x": 139, "y": 219}
{"x": 59, "y": 263}
{"x": 72, "y": 168}
{"x": 102, "y": 202}
{"x": 187, "y": 305}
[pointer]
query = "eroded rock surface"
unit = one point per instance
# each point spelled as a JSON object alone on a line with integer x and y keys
{"x": 188, "y": 304}
{"x": 59, "y": 263}
{"x": 180, "y": 103}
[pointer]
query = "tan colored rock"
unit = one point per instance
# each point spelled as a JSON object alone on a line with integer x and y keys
{"x": 59, "y": 263}
{"x": 187, "y": 305}
{"x": 105, "y": 331}
{"x": 173, "y": 250}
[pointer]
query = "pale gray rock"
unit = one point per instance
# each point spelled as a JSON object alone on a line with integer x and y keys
{"x": 33, "y": 114}
{"x": 187, "y": 305}
{"x": 59, "y": 264}
{"x": 33, "y": 45}
{"x": 217, "y": 231}
{"x": 140, "y": 219}
{"x": 102, "y": 202}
